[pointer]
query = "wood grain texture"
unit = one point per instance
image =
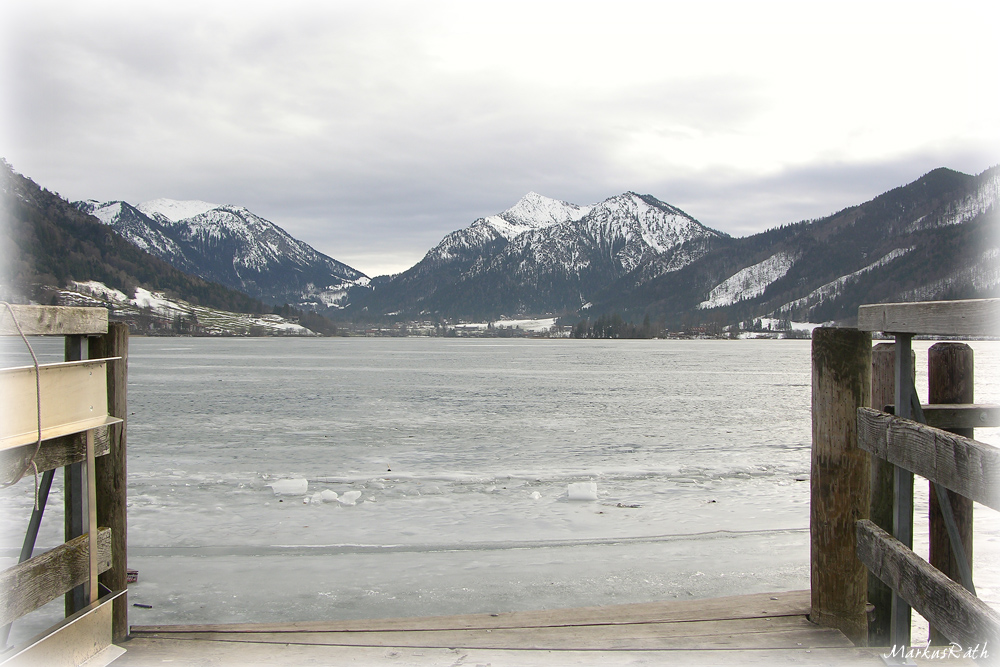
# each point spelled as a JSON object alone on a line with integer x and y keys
{"x": 112, "y": 470}
{"x": 54, "y": 453}
{"x": 39, "y": 580}
{"x": 54, "y": 320}
{"x": 765, "y": 605}
{"x": 950, "y": 379}
{"x": 958, "y": 614}
{"x": 730, "y": 635}
{"x": 143, "y": 652}
{"x": 962, "y": 416}
{"x": 968, "y": 317}
{"x": 840, "y": 479}
{"x": 883, "y": 392}
{"x": 759, "y": 629}
{"x": 739, "y": 622}
{"x": 965, "y": 466}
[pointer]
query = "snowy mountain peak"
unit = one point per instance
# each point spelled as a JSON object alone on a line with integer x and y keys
{"x": 175, "y": 210}
{"x": 535, "y": 210}
{"x": 638, "y": 204}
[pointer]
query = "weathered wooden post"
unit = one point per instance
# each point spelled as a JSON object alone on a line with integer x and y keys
{"x": 880, "y": 595}
{"x": 839, "y": 480}
{"x": 950, "y": 379}
{"x": 112, "y": 472}
{"x": 883, "y": 394}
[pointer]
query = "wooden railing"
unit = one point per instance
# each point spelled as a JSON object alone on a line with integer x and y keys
{"x": 952, "y": 463}
{"x": 77, "y": 425}
{"x": 864, "y": 460}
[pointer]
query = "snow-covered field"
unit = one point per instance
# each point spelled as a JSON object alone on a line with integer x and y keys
{"x": 540, "y": 325}
{"x": 210, "y": 320}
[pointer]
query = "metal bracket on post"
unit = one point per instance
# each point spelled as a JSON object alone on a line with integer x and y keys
{"x": 944, "y": 501}
{"x": 92, "y": 593}
{"x": 75, "y": 498}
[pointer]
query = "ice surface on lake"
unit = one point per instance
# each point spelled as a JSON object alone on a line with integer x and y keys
{"x": 582, "y": 491}
{"x": 459, "y": 455}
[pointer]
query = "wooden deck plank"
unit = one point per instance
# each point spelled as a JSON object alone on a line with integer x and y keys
{"x": 577, "y": 640}
{"x": 788, "y": 603}
{"x": 759, "y": 629}
{"x": 611, "y": 629}
{"x": 149, "y": 651}
{"x": 743, "y": 633}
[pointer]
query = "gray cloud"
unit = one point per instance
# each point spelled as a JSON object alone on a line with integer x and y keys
{"x": 371, "y": 130}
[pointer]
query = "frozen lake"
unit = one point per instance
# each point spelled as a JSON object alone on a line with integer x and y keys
{"x": 451, "y": 460}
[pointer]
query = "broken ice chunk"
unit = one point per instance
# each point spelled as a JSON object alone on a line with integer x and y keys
{"x": 290, "y": 487}
{"x": 349, "y": 497}
{"x": 582, "y": 491}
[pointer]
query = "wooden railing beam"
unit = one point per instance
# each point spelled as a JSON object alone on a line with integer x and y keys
{"x": 962, "y": 617}
{"x": 27, "y": 586}
{"x": 956, "y": 415}
{"x": 967, "y": 317}
{"x": 965, "y": 466}
{"x": 54, "y": 320}
{"x": 54, "y": 453}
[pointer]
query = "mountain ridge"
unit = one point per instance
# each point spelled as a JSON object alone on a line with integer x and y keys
{"x": 904, "y": 244}
{"x": 52, "y": 244}
{"x": 231, "y": 245}
{"x": 630, "y": 255}
{"x": 554, "y": 249}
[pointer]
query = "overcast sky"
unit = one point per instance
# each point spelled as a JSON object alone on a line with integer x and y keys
{"x": 372, "y": 129}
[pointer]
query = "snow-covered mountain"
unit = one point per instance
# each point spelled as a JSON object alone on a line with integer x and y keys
{"x": 531, "y": 212}
{"x": 171, "y": 210}
{"x": 545, "y": 256}
{"x": 140, "y": 230}
{"x": 935, "y": 238}
{"x": 631, "y": 254}
{"x": 232, "y": 246}
{"x": 620, "y": 234}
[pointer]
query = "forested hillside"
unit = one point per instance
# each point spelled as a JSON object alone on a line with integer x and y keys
{"x": 47, "y": 242}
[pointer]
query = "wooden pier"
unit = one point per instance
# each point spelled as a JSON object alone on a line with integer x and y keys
{"x": 864, "y": 578}
{"x": 765, "y": 629}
